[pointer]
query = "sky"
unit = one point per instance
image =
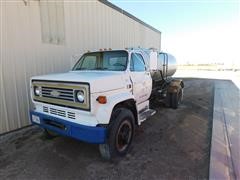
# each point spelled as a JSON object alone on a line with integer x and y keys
{"x": 202, "y": 31}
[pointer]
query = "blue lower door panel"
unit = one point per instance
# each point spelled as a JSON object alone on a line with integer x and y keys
{"x": 84, "y": 133}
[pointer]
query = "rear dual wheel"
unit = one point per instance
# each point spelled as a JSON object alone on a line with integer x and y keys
{"x": 174, "y": 99}
{"x": 120, "y": 134}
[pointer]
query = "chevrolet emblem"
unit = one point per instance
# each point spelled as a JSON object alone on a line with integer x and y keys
{"x": 55, "y": 93}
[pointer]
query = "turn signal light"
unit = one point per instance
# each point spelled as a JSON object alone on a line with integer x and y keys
{"x": 102, "y": 99}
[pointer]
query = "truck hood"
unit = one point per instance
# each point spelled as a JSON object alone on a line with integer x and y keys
{"x": 100, "y": 81}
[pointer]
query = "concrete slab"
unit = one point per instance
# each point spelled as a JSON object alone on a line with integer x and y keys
{"x": 225, "y": 154}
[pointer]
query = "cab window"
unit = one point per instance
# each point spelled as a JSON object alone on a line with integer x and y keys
{"x": 137, "y": 62}
{"x": 103, "y": 61}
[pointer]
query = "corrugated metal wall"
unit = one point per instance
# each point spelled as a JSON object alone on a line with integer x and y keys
{"x": 88, "y": 25}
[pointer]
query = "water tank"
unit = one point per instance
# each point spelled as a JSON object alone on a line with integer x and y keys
{"x": 166, "y": 64}
{"x": 159, "y": 63}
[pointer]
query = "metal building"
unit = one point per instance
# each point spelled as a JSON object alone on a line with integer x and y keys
{"x": 46, "y": 36}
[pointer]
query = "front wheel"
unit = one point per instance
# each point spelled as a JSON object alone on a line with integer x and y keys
{"x": 120, "y": 134}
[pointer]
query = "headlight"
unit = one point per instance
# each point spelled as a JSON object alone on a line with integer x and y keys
{"x": 80, "y": 96}
{"x": 37, "y": 90}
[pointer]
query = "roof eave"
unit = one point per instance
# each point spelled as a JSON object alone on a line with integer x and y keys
{"x": 128, "y": 14}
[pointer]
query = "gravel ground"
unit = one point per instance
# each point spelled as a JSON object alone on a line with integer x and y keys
{"x": 173, "y": 144}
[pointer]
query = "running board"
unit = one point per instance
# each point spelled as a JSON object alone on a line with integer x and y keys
{"x": 145, "y": 114}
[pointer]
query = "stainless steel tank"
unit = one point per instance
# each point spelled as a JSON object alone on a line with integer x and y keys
{"x": 167, "y": 64}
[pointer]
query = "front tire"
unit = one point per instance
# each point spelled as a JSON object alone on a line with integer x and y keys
{"x": 120, "y": 134}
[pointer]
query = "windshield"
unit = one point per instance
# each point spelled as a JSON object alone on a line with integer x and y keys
{"x": 105, "y": 61}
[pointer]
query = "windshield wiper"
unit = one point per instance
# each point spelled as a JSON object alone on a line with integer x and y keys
{"x": 79, "y": 69}
{"x": 99, "y": 68}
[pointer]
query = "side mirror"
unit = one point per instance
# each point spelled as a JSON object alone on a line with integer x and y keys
{"x": 153, "y": 61}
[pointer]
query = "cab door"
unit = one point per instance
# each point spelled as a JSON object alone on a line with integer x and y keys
{"x": 140, "y": 77}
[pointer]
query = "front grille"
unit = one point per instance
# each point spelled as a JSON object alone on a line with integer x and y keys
{"x": 59, "y": 112}
{"x": 58, "y": 93}
{"x": 45, "y": 109}
{"x": 62, "y": 94}
{"x": 71, "y": 115}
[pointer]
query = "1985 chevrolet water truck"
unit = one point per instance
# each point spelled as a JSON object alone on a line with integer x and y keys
{"x": 105, "y": 96}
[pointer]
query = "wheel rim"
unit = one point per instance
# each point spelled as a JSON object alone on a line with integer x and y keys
{"x": 124, "y": 136}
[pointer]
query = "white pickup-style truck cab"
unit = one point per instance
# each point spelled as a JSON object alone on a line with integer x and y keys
{"x": 105, "y": 96}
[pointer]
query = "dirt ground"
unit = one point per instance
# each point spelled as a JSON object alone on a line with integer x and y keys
{"x": 173, "y": 144}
